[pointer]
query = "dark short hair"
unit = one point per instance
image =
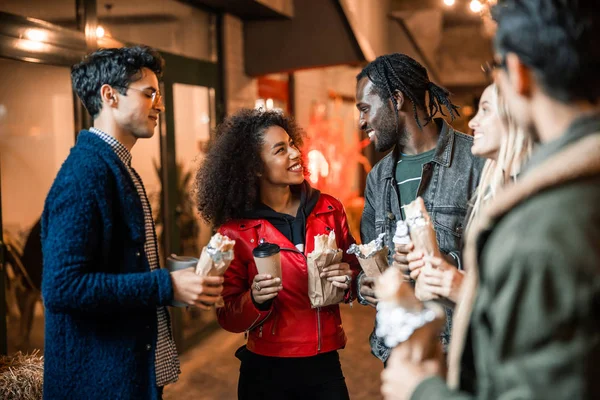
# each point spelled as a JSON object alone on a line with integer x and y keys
{"x": 228, "y": 179}
{"x": 558, "y": 39}
{"x": 399, "y": 72}
{"x": 115, "y": 67}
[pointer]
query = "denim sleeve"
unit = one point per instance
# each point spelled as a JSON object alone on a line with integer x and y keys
{"x": 367, "y": 222}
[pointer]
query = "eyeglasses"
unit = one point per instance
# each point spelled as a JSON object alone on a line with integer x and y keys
{"x": 490, "y": 66}
{"x": 155, "y": 96}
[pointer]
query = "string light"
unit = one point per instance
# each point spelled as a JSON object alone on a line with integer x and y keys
{"x": 100, "y": 31}
{"x": 449, "y": 3}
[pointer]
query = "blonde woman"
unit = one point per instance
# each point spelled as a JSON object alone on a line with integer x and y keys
{"x": 506, "y": 147}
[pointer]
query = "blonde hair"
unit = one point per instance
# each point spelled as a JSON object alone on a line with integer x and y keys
{"x": 515, "y": 149}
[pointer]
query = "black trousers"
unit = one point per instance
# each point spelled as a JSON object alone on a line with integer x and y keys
{"x": 273, "y": 378}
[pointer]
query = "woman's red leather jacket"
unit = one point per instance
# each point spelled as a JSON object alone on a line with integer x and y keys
{"x": 290, "y": 327}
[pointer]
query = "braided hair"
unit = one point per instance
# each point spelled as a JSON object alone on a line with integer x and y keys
{"x": 397, "y": 71}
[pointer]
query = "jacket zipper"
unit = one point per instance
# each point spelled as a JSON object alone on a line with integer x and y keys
{"x": 254, "y": 324}
{"x": 318, "y": 308}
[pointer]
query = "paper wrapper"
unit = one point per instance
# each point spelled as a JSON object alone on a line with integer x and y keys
{"x": 371, "y": 256}
{"x": 401, "y": 236}
{"x": 376, "y": 264}
{"x": 423, "y": 343}
{"x": 321, "y": 292}
{"x": 422, "y": 233}
{"x": 403, "y": 319}
{"x": 391, "y": 288}
{"x": 423, "y": 237}
{"x": 216, "y": 258}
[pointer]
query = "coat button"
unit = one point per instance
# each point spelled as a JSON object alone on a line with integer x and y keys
{"x": 391, "y": 216}
{"x": 242, "y": 226}
{"x": 138, "y": 254}
{"x": 328, "y": 228}
{"x": 330, "y": 207}
{"x": 148, "y": 347}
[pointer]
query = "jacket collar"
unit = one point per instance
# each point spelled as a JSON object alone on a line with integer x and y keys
{"x": 131, "y": 205}
{"x": 324, "y": 205}
{"x": 581, "y": 127}
{"x": 442, "y": 156}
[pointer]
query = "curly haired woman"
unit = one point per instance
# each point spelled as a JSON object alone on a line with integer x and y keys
{"x": 252, "y": 185}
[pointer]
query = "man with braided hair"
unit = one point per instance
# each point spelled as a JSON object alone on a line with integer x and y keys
{"x": 397, "y": 104}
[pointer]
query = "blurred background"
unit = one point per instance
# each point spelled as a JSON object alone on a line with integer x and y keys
{"x": 299, "y": 56}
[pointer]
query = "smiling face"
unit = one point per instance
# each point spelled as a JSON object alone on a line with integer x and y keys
{"x": 487, "y": 126}
{"x": 377, "y": 116}
{"x": 137, "y": 113}
{"x": 281, "y": 158}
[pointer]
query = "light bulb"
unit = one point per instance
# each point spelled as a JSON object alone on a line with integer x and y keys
{"x": 100, "y": 31}
{"x": 449, "y": 3}
{"x": 476, "y": 6}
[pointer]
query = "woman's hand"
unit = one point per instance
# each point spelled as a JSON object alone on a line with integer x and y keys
{"x": 340, "y": 275}
{"x": 265, "y": 287}
{"x": 445, "y": 280}
{"x": 415, "y": 263}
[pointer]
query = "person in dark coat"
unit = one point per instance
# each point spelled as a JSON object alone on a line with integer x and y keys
{"x": 108, "y": 334}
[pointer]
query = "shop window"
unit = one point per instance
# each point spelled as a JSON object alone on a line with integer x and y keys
{"x": 36, "y": 133}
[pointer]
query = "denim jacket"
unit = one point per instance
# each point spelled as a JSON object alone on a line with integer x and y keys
{"x": 448, "y": 182}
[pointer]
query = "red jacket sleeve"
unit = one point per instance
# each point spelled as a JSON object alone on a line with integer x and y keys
{"x": 346, "y": 240}
{"x": 239, "y": 313}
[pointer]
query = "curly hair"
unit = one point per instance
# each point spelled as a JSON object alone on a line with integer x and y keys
{"x": 115, "y": 67}
{"x": 227, "y": 182}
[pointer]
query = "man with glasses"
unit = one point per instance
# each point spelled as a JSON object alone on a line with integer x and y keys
{"x": 108, "y": 332}
{"x": 529, "y": 322}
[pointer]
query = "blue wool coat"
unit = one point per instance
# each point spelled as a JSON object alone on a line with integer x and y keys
{"x": 99, "y": 292}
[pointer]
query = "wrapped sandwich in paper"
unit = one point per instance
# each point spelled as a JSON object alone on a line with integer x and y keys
{"x": 215, "y": 259}
{"x": 422, "y": 235}
{"x": 216, "y": 256}
{"x": 372, "y": 256}
{"x": 402, "y": 318}
{"x": 320, "y": 291}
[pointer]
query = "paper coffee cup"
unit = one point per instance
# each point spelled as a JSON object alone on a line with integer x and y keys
{"x": 175, "y": 263}
{"x": 268, "y": 259}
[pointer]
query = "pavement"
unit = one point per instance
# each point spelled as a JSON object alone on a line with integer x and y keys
{"x": 210, "y": 370}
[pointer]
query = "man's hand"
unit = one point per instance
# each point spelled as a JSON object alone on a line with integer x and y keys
{"x": 265, "y": 287}
{"x": 340, "y": 275}
{"x": 400, "y": 258}
{"x": 402, "y": 376}
{"x": 196, "y": 290}
{"x": 367, "y": 290}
